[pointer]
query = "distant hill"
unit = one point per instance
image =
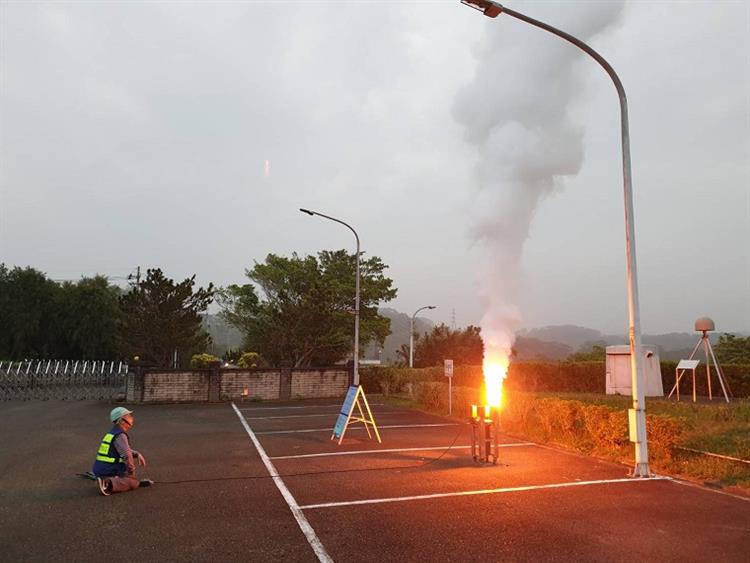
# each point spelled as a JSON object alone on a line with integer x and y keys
{"x": 399, "y": 335}
{"x": 526, "y": 348}
{"x": 224, "y": 335}
{"x": 676, "y": 345}
{"x": 550, "y": 342}
{"x": 569, "y": 335}
{"x": 544, "y": 343}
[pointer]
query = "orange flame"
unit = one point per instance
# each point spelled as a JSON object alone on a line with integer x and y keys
{"x": 495, "y": 370}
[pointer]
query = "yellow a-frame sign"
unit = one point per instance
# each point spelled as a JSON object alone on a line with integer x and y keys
{"x": 355, "y": 397}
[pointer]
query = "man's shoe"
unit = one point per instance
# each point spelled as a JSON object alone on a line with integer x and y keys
{"x": 105, "y": 486}
{"x": 146, "y": 483}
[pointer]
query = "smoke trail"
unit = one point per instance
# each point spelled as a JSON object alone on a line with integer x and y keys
{"x": 515, "y": 111}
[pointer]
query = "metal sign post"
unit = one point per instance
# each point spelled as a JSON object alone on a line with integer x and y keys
{"x": 448, "y": 372}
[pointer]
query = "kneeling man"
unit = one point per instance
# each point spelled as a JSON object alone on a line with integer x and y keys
{"x": 114, "y": 466}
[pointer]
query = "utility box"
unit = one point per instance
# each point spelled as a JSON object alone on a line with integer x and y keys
{"x": 619, "y": 379}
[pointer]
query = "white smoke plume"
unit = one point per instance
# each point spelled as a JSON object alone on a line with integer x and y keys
{"x": 516, "y": 113}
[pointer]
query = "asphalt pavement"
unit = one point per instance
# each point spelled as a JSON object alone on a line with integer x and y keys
{"x": 264, "y": 482}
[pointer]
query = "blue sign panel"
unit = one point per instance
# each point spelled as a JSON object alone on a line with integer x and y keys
{"x": 346, "y": 409}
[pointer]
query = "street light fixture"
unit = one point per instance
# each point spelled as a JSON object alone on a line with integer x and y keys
{"x": 411, "y": 334}
{"x": 355, "y": 376}
{"x": 638, "y": 412}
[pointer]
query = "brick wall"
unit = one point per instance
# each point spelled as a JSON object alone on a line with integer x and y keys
{"x": 260, "y": 384}
{"x": 319, "y": 383}
{"x": 133, "y": 386}
{"x": 175, "y": 387}
{"x": 198, "y": 386}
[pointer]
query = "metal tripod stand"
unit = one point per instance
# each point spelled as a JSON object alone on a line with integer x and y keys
{"x": 709, "y": 351}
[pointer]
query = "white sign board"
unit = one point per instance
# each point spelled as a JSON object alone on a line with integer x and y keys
{"x": 355, "y": 397}
{"x": 448, "y": 367}
{"x": 688, "y": 364}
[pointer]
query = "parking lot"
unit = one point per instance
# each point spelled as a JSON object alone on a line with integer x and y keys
{"x": 264, "y": 482}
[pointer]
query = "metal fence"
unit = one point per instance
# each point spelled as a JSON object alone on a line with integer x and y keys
{"x": 61, "y": 379}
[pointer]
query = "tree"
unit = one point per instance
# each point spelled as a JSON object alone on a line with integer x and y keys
{"x": 203, "y": 360}
{"x": 595, "y": 354}
{"x": 232, "y": 355}
{"x": 304, "y": 314}
{"x": 89, "y": 319}
{"x": 44, "y": 319}
{"x": 160, "y": 316}
{"x": 252, "y": 360}
{"x": 731, "y": 349}
{"x": 28, "y": 307}
{"x": 464, "y": 347}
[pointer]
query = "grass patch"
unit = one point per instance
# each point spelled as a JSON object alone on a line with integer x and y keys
{"x": 597, "y": 424}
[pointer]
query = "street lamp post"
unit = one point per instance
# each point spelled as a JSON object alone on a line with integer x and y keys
{"x": 411, "y": 334}
{"x": 638, "y": 412}
{"x": 355, "y": 376}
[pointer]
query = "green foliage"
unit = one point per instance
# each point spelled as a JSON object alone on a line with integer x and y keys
{"x": 732, "y": 349}
{"x": 737, "y": 376}
{"x": 303, "y": 315}
{"x": 596, "y": 354}
{"x": 232, "y": 355}
{"x": 28, "y": 303}
{"x": 203, "y": 360}
{"x": 565, "y": 377}
{"x": 90, "y": 317}
{"x": 160, "y": 316}
{"x": 252, "y": 360}
{"x": 590, "y": 428}
{"x": 44, "y": 319}
{"x": 597, "y": 424}
{"x": 464, "y": 347}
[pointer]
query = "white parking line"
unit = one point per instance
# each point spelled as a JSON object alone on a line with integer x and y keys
{"x": 357, "y": 428}
{"x": 332, "y": 414}
{"x": 363, "y": 452}
{"x": 482, "y": 492}
{"x": 307, "y": 529}
{"x": 336, "y": 405}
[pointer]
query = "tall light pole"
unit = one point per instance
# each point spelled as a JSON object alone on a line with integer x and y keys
{"x": 355, "y": 377}
{"x": 638, "y": 412}
{"x": 411, "y": 334}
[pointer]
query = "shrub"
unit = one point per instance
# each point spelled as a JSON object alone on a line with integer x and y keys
{"x": 589, "y": 428}
{"x": 252, "y": 360}
{"x": 737, "y": 376}
{"x": 203, "y": 360}
{"x": 560, "y": 377}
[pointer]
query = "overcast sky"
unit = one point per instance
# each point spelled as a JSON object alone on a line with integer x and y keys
{"x": 137, "y": 134}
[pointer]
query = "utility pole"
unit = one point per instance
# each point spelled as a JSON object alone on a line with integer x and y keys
{"x": 137, "y": 275}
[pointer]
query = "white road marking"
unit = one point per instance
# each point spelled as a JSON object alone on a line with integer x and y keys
{"x": 362, "y": 452}
{"x": 356, "y": 428}
{"x": 708, "y": 489}
{"x": 331, "y": 414}
{"x": 337, "y": 405}
{"x": 482, "y": 492}
{"x": 307, "y": 529}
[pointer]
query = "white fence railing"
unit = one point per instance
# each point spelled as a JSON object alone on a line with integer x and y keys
{"x": 61, "y": 379}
